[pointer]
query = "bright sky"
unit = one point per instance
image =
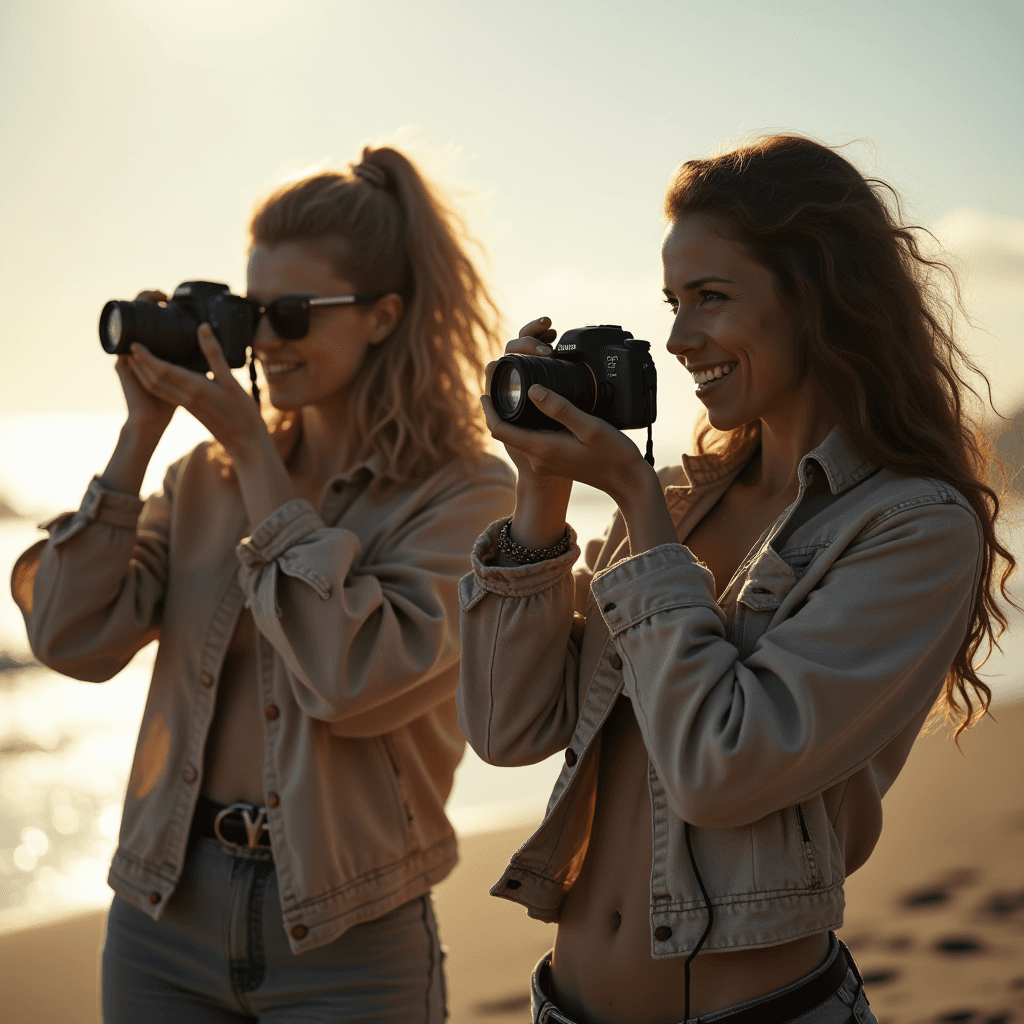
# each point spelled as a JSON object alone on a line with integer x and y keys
{"x": 135, "y": 137}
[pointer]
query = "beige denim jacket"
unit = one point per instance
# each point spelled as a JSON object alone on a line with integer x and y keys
{"x": 775, "y": 718}
{"x": 355, "y": 606}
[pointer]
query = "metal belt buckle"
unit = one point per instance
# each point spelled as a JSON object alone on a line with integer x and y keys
{"x": 253, "y": 829}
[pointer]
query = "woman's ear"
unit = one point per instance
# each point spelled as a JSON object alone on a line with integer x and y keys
{"x": 386, "y": 313}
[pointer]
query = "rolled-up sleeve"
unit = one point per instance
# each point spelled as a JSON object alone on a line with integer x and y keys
{"x": 825, "y": 689}
{"x": 369, "y": 638}
{"x": 91, "y": 595}
{"x": 518, "y": 689}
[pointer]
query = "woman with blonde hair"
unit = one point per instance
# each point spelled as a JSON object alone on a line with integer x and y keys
{"x": 284, "y": 820}
{"x": 738, "y": 672}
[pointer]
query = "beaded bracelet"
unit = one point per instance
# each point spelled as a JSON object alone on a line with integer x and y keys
{"x": 527, "y": 556}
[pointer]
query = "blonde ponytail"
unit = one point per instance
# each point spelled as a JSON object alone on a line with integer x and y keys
{"x": 386, "y": 228}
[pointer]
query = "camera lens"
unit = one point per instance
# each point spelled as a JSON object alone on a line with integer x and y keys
{"x": 113, "y": 331}
{"x": 515, "y": 375}
{"x": 167, "y": 331}
{"x": 507, "y": 390}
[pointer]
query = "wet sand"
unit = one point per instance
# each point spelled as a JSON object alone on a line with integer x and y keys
{"x": 935, "y": 918}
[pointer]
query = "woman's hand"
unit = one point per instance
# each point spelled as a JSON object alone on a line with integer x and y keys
{"x": 230, "y": 414}
{"x": 589, "y": 450}
{"x": 146, "y": 412}
{"x": 220, "y": 404}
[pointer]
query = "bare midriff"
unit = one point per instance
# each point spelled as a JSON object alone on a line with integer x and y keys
{"x": 602, "y": 969}
{"x": 233, "y": 768}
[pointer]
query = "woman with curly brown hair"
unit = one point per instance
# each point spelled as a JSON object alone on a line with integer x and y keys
{"x": 739, "y": 671}
{"x": 284, "y": 820}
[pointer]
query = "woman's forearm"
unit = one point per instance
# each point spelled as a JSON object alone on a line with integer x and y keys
{"x": 642, "y": 504}
{"x": 262, "y": 477}
{"x": 539, "y": 519}
{"x": 127, "y": 466}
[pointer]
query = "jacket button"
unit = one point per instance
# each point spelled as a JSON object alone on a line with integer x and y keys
{"x": 616, "y": 661}
{"x": 271, "y": 711}
{"x": 206, "y": 679}
{"x": 272, "y": 801}
{"x": 662, "y": 932}
{"x": 570, "y": 756}
{"x": 609, "y": 607}
{"x": 299, "y": 931}
{"x": 513, "y": 883}
{"x": 154, "y": 897}
{"x": 189, "y": 774}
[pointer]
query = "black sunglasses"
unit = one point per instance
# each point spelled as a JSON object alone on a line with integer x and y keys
{"x": 289, "y": 315}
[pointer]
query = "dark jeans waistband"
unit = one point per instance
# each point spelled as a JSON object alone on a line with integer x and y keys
{"x": 790, "y": 1003}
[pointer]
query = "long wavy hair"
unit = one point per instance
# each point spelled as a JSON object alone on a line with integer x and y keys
{"x": 385, "y": 228}
{"x": 879, "y": 338}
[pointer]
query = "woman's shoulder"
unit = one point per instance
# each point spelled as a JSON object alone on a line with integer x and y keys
{"x": 892, "y": 493}
{"x": 487, "y": 480}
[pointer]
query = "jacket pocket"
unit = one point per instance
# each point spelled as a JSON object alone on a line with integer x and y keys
{"x": 810, "y": 860}
{"x": 398, "y": 784}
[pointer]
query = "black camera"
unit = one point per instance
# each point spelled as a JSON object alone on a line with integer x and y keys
{"x": 602, "y": 370}
{"x": 168, "y": 330}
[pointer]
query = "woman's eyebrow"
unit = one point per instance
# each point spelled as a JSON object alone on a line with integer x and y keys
{"x": 710, "y": 279}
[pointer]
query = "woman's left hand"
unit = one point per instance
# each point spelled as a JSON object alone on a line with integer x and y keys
{"x": 589, "y": 450}
{"x": 220, "y": 404}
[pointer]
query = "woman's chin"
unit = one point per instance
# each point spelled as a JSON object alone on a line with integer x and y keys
{"x": 283, "y": 402}
{"x": 723, "y": 420}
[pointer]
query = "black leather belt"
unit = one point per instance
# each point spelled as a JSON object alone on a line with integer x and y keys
{"x": 779, "y": 1010}
{"x": 234, "y": 825}
{"x": 801, "y": 1000}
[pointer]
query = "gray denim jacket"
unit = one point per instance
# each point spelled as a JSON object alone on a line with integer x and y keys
{"x": 775, "y": 718}
{"x": 355, "y": 606}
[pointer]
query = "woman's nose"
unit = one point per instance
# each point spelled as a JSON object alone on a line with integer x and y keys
{"x": 684, "y": 339}
{"x": 265, "y": 336}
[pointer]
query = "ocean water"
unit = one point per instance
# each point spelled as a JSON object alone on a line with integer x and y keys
{"x": 66, "y": 746}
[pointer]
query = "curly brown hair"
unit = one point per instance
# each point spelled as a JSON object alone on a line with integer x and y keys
{"x": 879, "y": 338}
{"x": 386, "y": 228}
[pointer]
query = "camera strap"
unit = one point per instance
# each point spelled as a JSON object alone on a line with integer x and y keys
{"x": 252, "y": 377}
{"x": 649, "y": 457}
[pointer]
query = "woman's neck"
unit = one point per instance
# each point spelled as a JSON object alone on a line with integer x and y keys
{"x": 323, "y": 449}
{"x": 786, "y": 438}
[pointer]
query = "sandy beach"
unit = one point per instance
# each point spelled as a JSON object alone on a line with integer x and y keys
{"x": 935, "y": 918}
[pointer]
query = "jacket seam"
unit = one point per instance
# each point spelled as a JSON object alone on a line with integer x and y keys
{"x": 948, "y": 498}
{"x": 377, "y": 875}
{"x": 660, "y": 609}
{"x": 490, "y": 682}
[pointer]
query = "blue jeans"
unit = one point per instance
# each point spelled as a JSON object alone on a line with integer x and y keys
{"x": 849, "y": 1005}
{"x": 220, "y": 955}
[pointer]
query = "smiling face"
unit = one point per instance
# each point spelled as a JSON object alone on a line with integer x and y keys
{"x": 317, "y": 369}
{"x": 731, "y": 330}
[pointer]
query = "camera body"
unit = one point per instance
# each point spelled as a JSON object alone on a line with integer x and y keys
{"x": 601, "y": 369}
{"x": 169, "y": 330}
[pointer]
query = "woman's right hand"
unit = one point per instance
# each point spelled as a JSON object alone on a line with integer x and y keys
{"x": 147, "y": 420}
{"x": 144, "y": 410}
{"x": 541, "y": 499}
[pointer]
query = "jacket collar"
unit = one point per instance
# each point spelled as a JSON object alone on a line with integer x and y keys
{"x": 842, "y": 464}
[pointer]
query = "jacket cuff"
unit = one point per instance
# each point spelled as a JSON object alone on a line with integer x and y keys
{"x": 511, "y": 581}
{"x": 100, "y": 505}
{"x": 663, "y": 578}
{"x": 291, "y": 523}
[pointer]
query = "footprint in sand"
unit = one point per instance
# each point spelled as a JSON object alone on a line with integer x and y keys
{"x": 959, "y": 945}
{"x": 973, "y": 1017}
